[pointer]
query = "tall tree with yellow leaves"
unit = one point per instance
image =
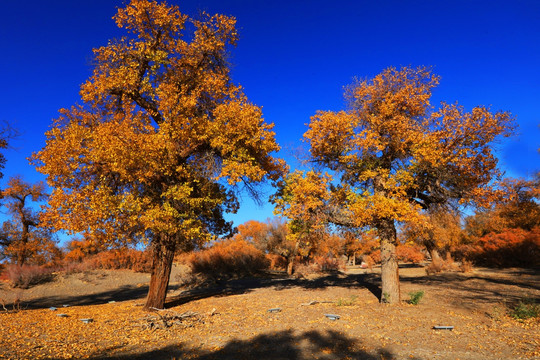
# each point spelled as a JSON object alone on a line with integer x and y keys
{"x": 395, "y": 155}
{"x": 163, "y": 140}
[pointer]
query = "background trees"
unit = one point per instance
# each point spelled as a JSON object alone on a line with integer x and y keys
{"x": 162, "y": 140}
{"x": 22, "y": 238}
{"x": 395, "y": 155}
{"x": 303, "y": 199}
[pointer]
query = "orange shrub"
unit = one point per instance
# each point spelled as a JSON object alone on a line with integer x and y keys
{"x": 228, "y": 259}
{"x": 514, "y": 247}
{"x": 136, "y": 260}
{"x": 410, "y": 253}
{"x": 405, "y": 253}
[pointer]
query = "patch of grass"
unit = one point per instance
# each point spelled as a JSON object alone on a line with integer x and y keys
{"x": 347, "y": 302}
{"x": 416, "y": 296}
{"x": 525, "y": 309}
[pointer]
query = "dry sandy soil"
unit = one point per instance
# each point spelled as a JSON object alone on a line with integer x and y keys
{"x": 232, "y": 321}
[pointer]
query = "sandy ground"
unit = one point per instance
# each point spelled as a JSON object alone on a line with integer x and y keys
{"x": 232, "y": 321}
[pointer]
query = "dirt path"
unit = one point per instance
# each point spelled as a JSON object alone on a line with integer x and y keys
{"x": 233, "y": 322}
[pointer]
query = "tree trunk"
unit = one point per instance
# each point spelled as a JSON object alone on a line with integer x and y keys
{"x": 290, "y": 265}
{"x": 21, "y": 257}
{"x": 291, "y": 258}
{"x": 163, "y": 255}
{"x": 434, "y": 255}
{"x": 389, "y": 264}
{"x": 433, "y": 252}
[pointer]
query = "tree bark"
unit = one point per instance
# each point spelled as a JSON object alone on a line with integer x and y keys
{"x": 21, "y": 258}
{"x": 163, "y": 256}
{"x": 434, "y": 255}
{"x": 291, "y": 258}
{"x": 389, "y": 265}
{"x": 290, "y": 266}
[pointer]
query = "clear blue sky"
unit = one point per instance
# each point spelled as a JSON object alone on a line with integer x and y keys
{"x": 293, "y": 58}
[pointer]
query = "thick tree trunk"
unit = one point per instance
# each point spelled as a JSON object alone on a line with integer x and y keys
{"x": 290, "y": 265}
{"x": 433, "y": 252}
{"x": 434, "y": 255}
{"x": 389, "y": 264}
{"x": 163, "y": 256}
{"x": 291, "y": 258}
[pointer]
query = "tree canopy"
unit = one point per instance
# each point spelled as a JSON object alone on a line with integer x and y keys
{"x": 163, "y": 140}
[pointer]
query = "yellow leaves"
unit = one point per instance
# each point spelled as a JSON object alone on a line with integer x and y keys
{"x": 395, "y": 157}
{"x": 302, "y": 194}
{"x": 161, "y": 128}
{"x": 330, "y": 133}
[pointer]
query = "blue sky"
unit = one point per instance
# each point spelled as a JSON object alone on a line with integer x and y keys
{"x": 294, "y": 57}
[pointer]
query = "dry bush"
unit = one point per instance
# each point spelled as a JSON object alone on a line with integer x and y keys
{"x": 26, "y": 276}
{"x": 318, "y": 265}
{"x": 514, "y": 247}
{"x": 186, "y": 278}
{"x": 131, "y": 259}
{"x": 229, "y": 259}
{"x": 116, "y": 259}
{"x": 410, "y": 253}
{"x": 302, "y": 270}
{"x": 442, "y": 265}
{"x": 325, "y": 264}
{"x": 406, "y": 253}
{"x": 466, "y": 266}
{"x": 277, "y": 262}
{"x": 72, "y": 267}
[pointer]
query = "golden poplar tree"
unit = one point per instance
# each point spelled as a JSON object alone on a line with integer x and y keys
{"x": 162, "y": 141}
{"x": 395, "y": 155}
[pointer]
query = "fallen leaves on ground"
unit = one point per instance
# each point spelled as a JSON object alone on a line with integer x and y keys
{"x": 240, "y": 326}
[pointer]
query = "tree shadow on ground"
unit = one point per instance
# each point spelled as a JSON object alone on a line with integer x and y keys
{"x": 370, "y": 282}
{"x": 122, "y": 293}
{"x": 275, "y": 345}
{"x": 226, "y": 288}
{"x": 474, "y": 288}
{"x": 478, "y": 288}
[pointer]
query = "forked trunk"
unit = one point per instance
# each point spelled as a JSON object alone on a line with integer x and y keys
{"x": 389, "y": 264}
{"x": 163, "y": 256}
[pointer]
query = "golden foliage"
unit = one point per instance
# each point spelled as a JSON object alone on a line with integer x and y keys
{"x": 396, "y": 156}
{"x": 302, "y": 198}
{"x": 161, "y": 135}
